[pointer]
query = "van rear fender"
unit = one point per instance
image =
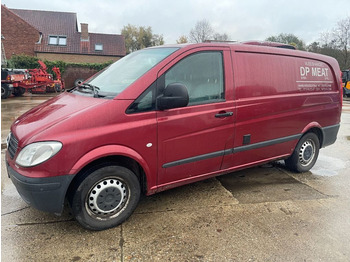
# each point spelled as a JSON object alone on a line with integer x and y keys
{"x": 315, "y": 128}
{"x": 111, "y": 151}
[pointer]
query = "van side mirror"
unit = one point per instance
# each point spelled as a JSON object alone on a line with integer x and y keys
{"x": 175, "y": 95}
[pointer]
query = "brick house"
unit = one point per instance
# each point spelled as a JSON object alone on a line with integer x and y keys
{"x": 59, "y": 38}
{"x": 17, "y": 36}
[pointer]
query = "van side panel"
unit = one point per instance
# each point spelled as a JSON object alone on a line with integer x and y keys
{"x": 277, "y": 97}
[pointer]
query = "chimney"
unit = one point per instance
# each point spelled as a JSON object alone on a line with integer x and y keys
{"x": 84, "y": 39}
{"x": 84, "y": 32}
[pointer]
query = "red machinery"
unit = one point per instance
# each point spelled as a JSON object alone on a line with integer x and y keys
{"x": 37, "y": 81}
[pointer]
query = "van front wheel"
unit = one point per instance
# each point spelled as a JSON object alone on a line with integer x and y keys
{"x": 305, "y": 153}
{"x": 106, "y": 197}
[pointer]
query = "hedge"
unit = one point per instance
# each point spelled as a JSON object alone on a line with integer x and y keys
{"x": 31, "y": 62}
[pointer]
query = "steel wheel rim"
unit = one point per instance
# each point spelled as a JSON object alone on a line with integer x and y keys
{"x": 106, "y": 198}
{"x": 307, "y": 152}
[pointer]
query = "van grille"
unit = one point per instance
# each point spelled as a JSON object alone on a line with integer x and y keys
{"x": 12, "y": 146}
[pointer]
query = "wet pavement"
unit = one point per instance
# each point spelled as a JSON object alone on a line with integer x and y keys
{"x": 264, "y": 213}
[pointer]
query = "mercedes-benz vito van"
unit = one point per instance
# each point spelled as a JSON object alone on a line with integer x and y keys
{"x": 167, "y": 116}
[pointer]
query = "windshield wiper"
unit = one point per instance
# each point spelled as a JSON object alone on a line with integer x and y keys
{"x": 94, "y": 89}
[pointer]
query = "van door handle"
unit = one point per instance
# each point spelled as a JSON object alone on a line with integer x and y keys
{"x": 226, "y": 114}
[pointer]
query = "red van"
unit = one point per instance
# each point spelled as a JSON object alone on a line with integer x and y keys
{"x": 167, "y": 116}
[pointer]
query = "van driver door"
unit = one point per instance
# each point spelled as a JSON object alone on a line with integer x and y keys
{"x": 193, "y": 140}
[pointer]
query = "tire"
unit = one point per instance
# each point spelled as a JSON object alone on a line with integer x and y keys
{"x": 305, "y": 153}
{"x": 118, "y": 191}
{"x": 19, "y": 91}
{"x": 5, "y": 91}
{"x": 58, "y": 87}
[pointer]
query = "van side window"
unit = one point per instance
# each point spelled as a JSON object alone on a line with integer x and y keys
{"x": 202, "y": 74}
{"x": 145, "y": 102}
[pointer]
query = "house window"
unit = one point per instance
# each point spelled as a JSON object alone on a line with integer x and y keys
{"x": 52, "y": 40}
{"x": 98, "y": 47}
{"x": 62, "y": 40}
{"x": 57, "y": 40}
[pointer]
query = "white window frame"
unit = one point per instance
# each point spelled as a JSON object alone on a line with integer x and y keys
{"x": 62, "y": 38}
{"x": 57, "y": 40}
{"x": 98, "y": 47}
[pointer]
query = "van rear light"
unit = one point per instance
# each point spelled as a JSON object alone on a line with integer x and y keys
{"x": 341, "y": 88}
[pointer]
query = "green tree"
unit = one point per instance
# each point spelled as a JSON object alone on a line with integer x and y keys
{"x": 314, "y": 47}
{"x": 182, "y": 40}
{"x": 157, "y": 40}
{"x": 341, "y": 40}
{"x": 335, "y": 43}
{"x": 329, "y": 49}
{"x": 137, "y": 38}
{"x": 289, "y": 39}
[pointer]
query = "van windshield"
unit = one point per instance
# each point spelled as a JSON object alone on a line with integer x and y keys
{"x": 127, "y": 70}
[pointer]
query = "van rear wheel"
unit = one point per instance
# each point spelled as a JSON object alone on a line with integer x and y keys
{"x": 106, "y": 197}
{"x": 305, "y": 153}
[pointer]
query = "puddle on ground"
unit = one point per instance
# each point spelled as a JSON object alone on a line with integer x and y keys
{"x": 328, "y": 166}
{"x": 268, "y": 184}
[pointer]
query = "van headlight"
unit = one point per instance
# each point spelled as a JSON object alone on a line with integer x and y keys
{"x": 36, "y": 153}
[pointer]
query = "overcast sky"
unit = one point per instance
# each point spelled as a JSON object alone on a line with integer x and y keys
{"x": 241, "y": 19}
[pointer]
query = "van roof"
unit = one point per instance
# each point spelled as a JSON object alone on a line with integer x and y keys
{"x": 233, "y": 44}
{"x": 270, "y": 44}
{"x": 259, "y": 46}
{"x": 254, "y": 42}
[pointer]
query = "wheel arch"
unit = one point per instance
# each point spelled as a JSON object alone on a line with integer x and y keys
{"x": 306, "y": 151}
{"x": 316, "y": 128}
{"x": 118, "y": 155}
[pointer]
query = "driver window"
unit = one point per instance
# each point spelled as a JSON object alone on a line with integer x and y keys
{"x": 202, "y": 74}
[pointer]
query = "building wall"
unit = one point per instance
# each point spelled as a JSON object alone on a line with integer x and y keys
{"x": 76, "y": 58}
{"x": 19, "y": 36}
{"x": 71, "y": 74}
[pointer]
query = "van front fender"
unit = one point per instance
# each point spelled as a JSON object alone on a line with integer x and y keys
{"x": 110, "y": 150}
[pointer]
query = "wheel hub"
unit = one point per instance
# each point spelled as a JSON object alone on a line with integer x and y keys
{"x": 106, "y": 196}
{"x": 307, "y": 152}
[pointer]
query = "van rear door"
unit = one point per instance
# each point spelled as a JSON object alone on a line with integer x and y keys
{"x": 192, "y": 140}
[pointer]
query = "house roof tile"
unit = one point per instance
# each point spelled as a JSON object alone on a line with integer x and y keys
{"x": 50, "y": 22}
{"x": 65, "y": 24}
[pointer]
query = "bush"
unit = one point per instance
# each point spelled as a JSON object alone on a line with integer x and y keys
{"x": 23, "y": 62}
{"x": 31, "y": 62}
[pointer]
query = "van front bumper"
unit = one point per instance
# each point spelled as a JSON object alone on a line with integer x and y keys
{"x": 45, "y": 194}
